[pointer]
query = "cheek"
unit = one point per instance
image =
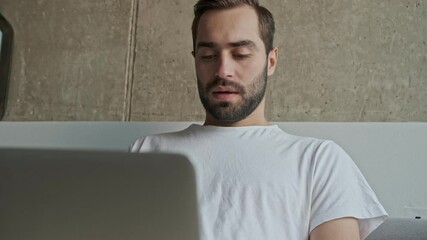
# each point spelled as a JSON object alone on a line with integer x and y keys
{"x": 250, "y": 70}
{"x": 204, "y": 72}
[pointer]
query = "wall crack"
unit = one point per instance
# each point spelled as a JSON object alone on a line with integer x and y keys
{"x": 130, "y": 62}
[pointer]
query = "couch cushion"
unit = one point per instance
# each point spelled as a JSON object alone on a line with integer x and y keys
{"x": 399, "y": 228}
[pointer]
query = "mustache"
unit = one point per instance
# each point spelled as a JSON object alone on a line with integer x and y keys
{"x": 218, "y": 81}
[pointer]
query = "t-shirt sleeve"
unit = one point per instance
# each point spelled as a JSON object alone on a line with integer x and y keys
{"x": 137, "y": 145}
{"x": 340, "y": 190}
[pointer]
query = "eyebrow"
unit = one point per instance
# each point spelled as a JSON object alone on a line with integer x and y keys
{"x": 243, "y": 43}
{"x": 206, "y": 44}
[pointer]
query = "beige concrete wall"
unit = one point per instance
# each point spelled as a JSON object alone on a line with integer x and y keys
{"x": 69, "y": 60}
{"x": 349, "y": 60}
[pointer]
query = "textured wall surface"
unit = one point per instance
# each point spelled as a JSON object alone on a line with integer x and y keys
{"x": 69, "y": 59}
{"x": 349, "y": 60}
{"x": 165, "y": 84}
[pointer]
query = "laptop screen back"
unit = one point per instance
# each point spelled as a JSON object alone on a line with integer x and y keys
{"x": 96, "y": 195}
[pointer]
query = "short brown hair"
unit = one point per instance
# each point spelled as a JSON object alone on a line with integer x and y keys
{"x": 265, "y": 18}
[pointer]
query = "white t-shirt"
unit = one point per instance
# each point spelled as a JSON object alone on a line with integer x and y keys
{"x": 259, "y": 182}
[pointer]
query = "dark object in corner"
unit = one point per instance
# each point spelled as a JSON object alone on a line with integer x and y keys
{"x": 6, "y": 38}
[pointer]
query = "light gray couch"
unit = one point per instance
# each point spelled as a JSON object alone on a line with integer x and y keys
{"x": 399, "y": 228}
{"x": 392, "y": 156}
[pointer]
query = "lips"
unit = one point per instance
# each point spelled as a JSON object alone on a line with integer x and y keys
{"x": 224, "y": 90}
{"x": 224, "y": 93}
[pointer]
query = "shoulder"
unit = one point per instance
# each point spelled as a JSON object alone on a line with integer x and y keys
{"x": 303, "y": 144}
{"x": 320, "y": 149}
{"x": 329, "y": 156}
{"x": 156, "y": 141}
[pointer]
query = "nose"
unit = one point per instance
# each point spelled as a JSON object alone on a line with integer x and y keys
{"x": 225, "y": 68}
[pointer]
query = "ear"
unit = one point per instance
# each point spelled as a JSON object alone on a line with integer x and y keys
{"x": 272, "y": 58}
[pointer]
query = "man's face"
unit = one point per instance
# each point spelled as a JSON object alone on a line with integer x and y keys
{"x": 231, "y": 63}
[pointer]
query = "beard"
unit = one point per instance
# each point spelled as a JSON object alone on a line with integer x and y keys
{"x": 230, "y": 112}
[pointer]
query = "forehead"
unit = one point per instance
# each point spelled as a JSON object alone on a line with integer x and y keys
{"x": 229, "y": 25}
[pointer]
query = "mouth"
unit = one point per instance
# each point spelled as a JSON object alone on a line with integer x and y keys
{"x": 225, "y": 92}
{"x": 224, "y": 95}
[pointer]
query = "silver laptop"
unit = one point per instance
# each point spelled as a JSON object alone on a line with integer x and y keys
{"x": 70, "y": 195}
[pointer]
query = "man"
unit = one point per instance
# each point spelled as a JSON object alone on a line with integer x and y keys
{"x": 254, "y": 180}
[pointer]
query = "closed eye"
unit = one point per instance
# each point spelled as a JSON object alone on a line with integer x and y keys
{"x": 242, "y": 56}
{"x": 208, "y": 57}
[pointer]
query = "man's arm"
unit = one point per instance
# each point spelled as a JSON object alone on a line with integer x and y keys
{"x": 338, "y": 229}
